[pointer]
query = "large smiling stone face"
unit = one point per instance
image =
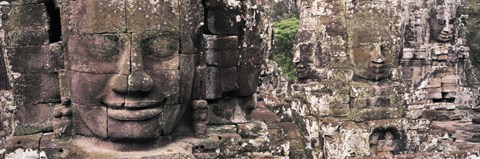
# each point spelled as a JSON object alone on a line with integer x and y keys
{"x": 124, "y": 69}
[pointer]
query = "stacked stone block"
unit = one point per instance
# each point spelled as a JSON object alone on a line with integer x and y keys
{"x": 229, "y": 60}
{"x": 32, "y": 64}
{"x": 426, "y": 82}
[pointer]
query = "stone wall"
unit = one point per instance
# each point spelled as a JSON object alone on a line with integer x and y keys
{"x": 417, "y": 97}
{"x": 376, "y": 79}
{"x": 56, "y": 57}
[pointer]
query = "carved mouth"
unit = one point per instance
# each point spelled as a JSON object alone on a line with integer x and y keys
{"x": 444, "y": 37}
{"x": 133, "y": 115}
{"x": 134, "y": 111}
{"x": 301, "y": 70}
{"x": 377, "y": 71}
{"x": 378, "y": 68}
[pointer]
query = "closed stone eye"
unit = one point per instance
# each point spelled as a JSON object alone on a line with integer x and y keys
{"x": 104, "y": 48}
{"x": 160, "y": 47}
{"x": 452, "y": 21}
{"x": 441, "y": 22}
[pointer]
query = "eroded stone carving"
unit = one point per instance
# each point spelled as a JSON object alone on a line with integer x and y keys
{"x": 386, "y": 142}
{"x": 442, "y": 22}
{"x": 371, "y": 46}
{"x": 62, "y": 124}
{"x": 346, "y": 47}
{"x": 200, "y": 116}
{"x": 434, "y": 61}
{"x": 365, "y": 60}
{"x": 195, "y": 65}
{"x": 125, "y": 80}
{"x": 133, "y": 75}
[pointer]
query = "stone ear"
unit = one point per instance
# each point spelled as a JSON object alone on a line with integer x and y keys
{"x": 197, "y": 37}
{"x": 64, "y": 88}
{"x": 62, "y": 113}
{"x": 200, "y": 117}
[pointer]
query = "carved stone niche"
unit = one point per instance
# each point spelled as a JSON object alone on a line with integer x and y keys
{"x": 386, "y": 142}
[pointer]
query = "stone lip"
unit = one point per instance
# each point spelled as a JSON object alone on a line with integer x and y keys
{"x": 132, "y": 115}
{"x": 374, "y": 73}
{"x": 444, "y": 37}
{"x": 134, "y": 111}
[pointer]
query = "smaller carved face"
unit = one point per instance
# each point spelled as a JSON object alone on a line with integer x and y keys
{"x": 373, "y": 43}
{"x": 441, "y": 29}
{"x": 369, "y": 60}
{"x": 301, "y": 65}
{"x": 442, "y": 23}
{"x": 386, "y": 140}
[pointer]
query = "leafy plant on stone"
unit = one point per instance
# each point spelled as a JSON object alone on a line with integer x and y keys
{"x": 284, "y": 36}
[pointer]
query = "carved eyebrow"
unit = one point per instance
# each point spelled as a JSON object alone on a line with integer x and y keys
{"x": 452, "y": 20}
{"x": 112, "y": 37}
{"x": 150, "y": 36}
{"x": 153, "y": 34}
{"x": 441, "y": 21}
{"x": 366, "y": 45}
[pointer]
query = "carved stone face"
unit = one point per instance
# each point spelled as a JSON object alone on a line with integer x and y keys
{"x": 442, "y": 24}
{"x": 386, "y": 140}
{"x": 441, "y": 30}
{"x": 372, "y": 44}
{"x": 126, "y": 85}
{"x": 371, "y": 52}
{"x": 369, "y": 60}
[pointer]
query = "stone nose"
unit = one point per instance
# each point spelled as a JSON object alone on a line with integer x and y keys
{"x": 446, "y": 30}
{"x": 136, "y": 82}
{"x": 379, "y": 59}
{"x": 297, "y": 60}
{"x": 376, "y": 55}
{"x": 119, "y": 83}
{"x": 132, "y": 78}
{"x": 139, "y": 81}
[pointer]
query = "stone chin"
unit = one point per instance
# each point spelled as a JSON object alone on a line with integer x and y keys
{"x": 134, "y": 130}
{"x": 372, "y": 74}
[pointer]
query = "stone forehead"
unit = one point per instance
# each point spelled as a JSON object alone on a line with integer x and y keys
{"x": 372, "y": 27}
{"x": 104, "y": 16}
{"x": 373, "y": 4}
{"x": 444, "y": 11}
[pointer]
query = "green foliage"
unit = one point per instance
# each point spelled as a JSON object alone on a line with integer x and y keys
{"x": 283, "y": 9}
{"x": 284, "y": 37}
{"x": 473, "y": 31}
